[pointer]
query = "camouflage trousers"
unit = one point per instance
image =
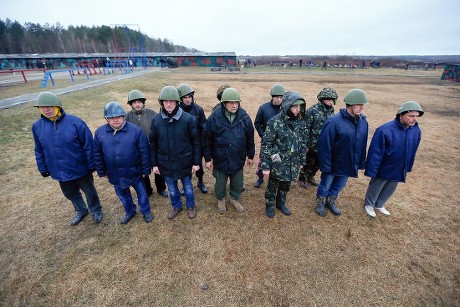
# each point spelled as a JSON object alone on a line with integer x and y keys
{"x": 311, "y": 166}
{"x": 276, "y": 192}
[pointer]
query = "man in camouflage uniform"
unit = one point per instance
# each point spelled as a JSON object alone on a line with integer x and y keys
{"x": 283, "y": 151}
{"x": 316, "y": 116}
{"x": 265, "y": 112}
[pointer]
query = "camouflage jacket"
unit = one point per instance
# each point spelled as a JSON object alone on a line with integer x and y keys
{"x": 285, "y": 136}
{"x": 316, "y": 116}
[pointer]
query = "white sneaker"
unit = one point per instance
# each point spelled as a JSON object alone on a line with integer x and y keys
{"x": 383, "y": 211}
{"x": 370, "y": 210}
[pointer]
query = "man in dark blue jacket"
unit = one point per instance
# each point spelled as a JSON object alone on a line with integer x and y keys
{"x": 175, "y": 147}
{"x": 342, "y": 150}
{"x": 63, "y": 150}
{"x": 265, "y": 112}
{"x": 121, "y": 154}
{"x": 391, "y": 155}
{"x": 228, "y": 140}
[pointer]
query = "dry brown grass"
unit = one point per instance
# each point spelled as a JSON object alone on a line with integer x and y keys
{"x": 409, "y": 258}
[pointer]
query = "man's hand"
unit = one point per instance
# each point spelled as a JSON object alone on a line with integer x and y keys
{"x": 209, "y": 165}
{"x": 156, "y": 170}
{"x": 249, "y": 162}
{"x": 195, "y": 169}
{"x": 266, "y": 173}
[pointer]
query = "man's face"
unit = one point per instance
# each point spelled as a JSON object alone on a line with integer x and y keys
{"x": 355, "y": 109}
{"x": 137, "y": 105}
{"x": 48, "y": 111}
{"x": 116, "y": 122}
{"x": 187, "y": 99}
{"x": 231, "y": 106}
{"x": 295, "y": 109}
{"x": 169, "y": 105}
{"x": 409, "y": 119}
{"x": 277, "y": 100}
{"x": 328, "y": 102}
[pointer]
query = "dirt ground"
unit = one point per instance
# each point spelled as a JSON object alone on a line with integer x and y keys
{"x": 407, "y": 259}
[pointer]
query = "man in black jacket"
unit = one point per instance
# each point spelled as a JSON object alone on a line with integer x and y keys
{"x": 265, "y": 112}
{"x": 188, "y": 104}
{"x": 228, "y": 140}
{"x": 175, "y": 147}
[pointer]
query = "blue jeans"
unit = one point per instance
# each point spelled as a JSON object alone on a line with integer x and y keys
{"x": 331, "y": 185}
{"x": 127, "y": 199}
{"x": 174, "y": 193}
{"x": 71, "y": 190}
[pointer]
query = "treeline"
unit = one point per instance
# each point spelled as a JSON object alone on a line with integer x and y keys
{"x": 35, "y": 38}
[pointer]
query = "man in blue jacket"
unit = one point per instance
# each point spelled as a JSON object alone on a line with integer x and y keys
{"x": 121, "y": 154}
{"x": 63, "y": 150}
{"x": 342, "y": 150}
{"x": 228, "y": 140}
{"x": 175, "y": 147}
{"x": 391, "y": 155}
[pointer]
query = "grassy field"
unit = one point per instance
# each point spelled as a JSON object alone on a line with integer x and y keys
{"x": 410, "y": 258}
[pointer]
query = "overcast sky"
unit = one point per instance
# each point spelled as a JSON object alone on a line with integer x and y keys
{"x": 266, "y": 27}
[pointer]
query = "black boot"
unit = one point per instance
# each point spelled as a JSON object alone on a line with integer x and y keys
{"x": 311, "y": 180}
{"x": 203, "y": 189}
{"x": 258, "y": 182}
{"x": 321, "y": 205}
{"x": 281, "y": 203}
{"x": 331, "y": 205}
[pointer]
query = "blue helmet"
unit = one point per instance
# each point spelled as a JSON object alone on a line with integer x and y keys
{"x": 113, "y": 109}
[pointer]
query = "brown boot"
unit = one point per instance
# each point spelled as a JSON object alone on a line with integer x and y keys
{"x": 238, "y": 206}
{"x": 221, "y": 206}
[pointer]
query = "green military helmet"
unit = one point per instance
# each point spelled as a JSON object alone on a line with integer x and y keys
{"x": 47, "y": 99}
{"x": 135, "y": 95}
{"x": 356, "y": 96}
{"x": 277, "y": 90}
{"x": 169, "y": 93}
{"x": 184, "y": 90}
{"x": 410, "y": 106}
{"x": 328, "y": 93}
{"x": 113, "y": 109}
{"x": 221, "y": 89}
{"x": 230, "y": 94}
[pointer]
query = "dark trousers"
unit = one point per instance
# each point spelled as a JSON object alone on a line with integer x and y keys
{"x": 159, "y": 184}
{"x": 71, "y": 190}
{"x": 311, "y": 166}
{"x": 276, "y": 192}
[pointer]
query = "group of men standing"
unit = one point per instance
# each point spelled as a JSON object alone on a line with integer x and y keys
{"x": 296, "y": 142}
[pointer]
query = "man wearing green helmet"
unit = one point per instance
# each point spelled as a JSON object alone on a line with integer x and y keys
{"x": 188, "y": 104}
{"x": 64, "y": 151}
{"x": 391, "y": 156}
{"x": 228, "y": 142}
{"x": 175, "y": 146}
{"x": 142, "y": 117}
{"x": 265, "y": 112}
{"x": 316, "y": 116}
{"x": 342, "y": 150}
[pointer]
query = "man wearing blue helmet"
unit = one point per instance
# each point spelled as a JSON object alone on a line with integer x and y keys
{"x": 121, "y": 154}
